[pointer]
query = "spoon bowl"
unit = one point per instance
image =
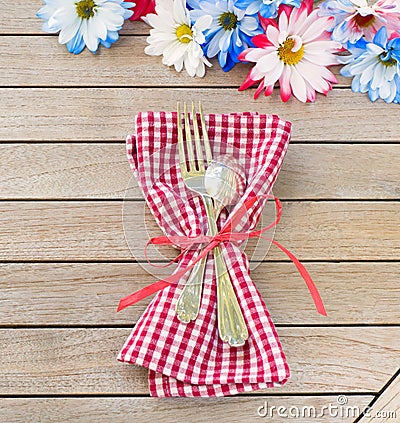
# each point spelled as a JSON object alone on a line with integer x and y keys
{"x": 225, "y": 182}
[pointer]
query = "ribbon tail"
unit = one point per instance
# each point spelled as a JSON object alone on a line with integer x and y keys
{"x": 307, "y": 278}
{"x": 163, "y": 283}
{"x": 142, "y": 293}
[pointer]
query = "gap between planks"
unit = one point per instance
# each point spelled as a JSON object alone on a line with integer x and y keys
{"x": 58, "y": 171}
{"x": 59, "y": 293}
{"x": 125, "y": 64}
{"x": 84, "y": 231}
{"x": 172, "y": 410}
{"x": 63, "y": 361}
{"x": 84, "y": 114}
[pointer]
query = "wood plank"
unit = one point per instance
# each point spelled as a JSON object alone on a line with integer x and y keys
{"x": 310, "y": 171}
{"x": 125, "y": 64}
{"x": 21, "y": 19}
{"x": 97, "y": 114}
{"x": 387, "y": 406}
{"x": 89, "y": 230}
{"x": 65, "y": 294}
{"x": 172, "y": 410}
{"x": 79, "y": 361}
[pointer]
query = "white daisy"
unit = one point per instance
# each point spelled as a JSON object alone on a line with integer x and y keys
{"x": 175, "y": 38}
{"x": 86, "y": 22}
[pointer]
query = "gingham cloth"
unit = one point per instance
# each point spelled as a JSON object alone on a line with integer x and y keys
{"x": 190, "y": 359}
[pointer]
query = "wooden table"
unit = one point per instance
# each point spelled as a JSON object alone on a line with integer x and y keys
{"x": 65, "y": 262}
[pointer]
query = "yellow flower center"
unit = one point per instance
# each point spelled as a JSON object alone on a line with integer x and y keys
{"x": 385, "y": 61}
{"x": 228, "y": 21}
{"x": 85, "y": 8}
{"x": 287, "y": 55}
{"x": 184, "y": 33}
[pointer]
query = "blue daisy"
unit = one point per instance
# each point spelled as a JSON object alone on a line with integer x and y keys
{"x": 375, "y": 67}
{"x": 86, "y": 22}
{"x": 230, "y": 32}
{"x": 266, "y": 8}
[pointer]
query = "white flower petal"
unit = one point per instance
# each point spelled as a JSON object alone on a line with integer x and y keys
{"x": 180, "y": 12}
{"x": 316, "y": 29}
{"x": 273, "y": 35}
{"x": 213, "y": 47}
{"x": 275, "y": 73}
{"x": 313, "y": 75}
{"x": 68, "y": 32}
{"x": 298, "y": 85}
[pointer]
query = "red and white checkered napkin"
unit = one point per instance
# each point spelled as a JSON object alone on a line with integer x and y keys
{"x": 190, "y": 359}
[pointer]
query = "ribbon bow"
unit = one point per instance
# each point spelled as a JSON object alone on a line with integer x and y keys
{"x": 226, "y": 234}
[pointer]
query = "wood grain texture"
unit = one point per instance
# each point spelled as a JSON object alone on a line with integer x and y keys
{"x": 310, "y": 171}
{"x": 88, "y": 230}
{"x": 78, "y": 361}
{"x": 83, "y": 107}
{"x": 98, "y": 114}
{"x": 173, "y": 410}
{"x": 125, "y": 64}
{"x": 21, "y": 19}
{"x": 65, "y": 294}
{"x": 387, "y": 406}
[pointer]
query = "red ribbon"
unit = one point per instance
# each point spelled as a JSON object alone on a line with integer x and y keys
{"x": 226, "y": 234}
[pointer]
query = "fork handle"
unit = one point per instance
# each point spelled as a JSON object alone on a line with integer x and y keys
{"x": 188, "y": 304}
{"x": 231, "y": 324}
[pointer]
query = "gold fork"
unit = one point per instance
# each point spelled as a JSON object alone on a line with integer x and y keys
{"x": 231, "y": 324}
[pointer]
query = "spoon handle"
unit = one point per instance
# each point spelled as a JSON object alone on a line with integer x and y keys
{"x": 231, "y": 324}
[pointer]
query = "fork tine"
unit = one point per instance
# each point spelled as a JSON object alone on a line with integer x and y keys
{"x": 189, "y": 146}
{"x": 206, "y": 140}
{"x": 182, "y": 158}
{"x": 199, "y": 149}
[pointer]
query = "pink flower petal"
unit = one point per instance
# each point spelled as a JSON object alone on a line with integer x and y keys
{"x": 268, "y": 90}
{"x": 317, "y": 28}
{"x": 265, "y": 22}
{"x": 285, "y": 10}
{"x": 313, "y": 76}
{"x": 322, "y": 58}
{"x": 266, "y": 66}
{"x": 309, "y": 4}
{"x": 296, "y": 20}
{"x": 274, "y": 73}
{"x": 324, "y": 72}
{"x": 298, "y": 85}
{"x": 283, "y": 22}
{"x": 261, "y": 41}
{"x": 259, "y": 89}
{"x": 310, "y": 93}
{"x": 248, "y": 82}
{"x": 273, "y": 35}
{"x": 242, "y": 56}
{"x": 252, "y": 54}
{"x": 284, "y": 83}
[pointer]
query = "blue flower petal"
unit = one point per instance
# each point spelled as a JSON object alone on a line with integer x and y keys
{"x": 76, "y": 44}
{"x": 56, "y": 8}
{"x": 380, "y": 38}
{"x": 269, "y": 10}
{"x": 235, "y": 40}
{"x": 366, "y": 66}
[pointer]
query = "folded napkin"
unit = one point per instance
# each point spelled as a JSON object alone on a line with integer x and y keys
{"x": 190, "y": 359}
